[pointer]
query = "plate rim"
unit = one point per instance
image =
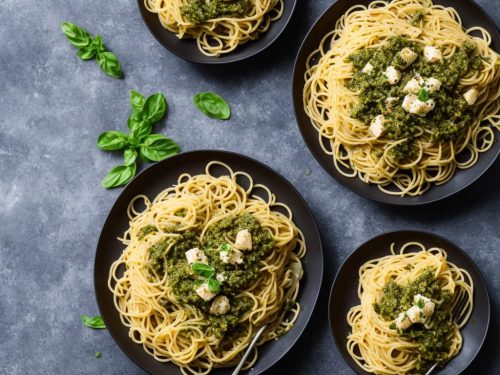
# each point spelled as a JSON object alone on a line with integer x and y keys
{"x": 329, "y": 168}
{"x": 226, "y": 58}
{"x": 297, "y": 194}
{"x": 484, "y": 285}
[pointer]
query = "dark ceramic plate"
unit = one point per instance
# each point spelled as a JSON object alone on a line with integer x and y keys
{"x": 344, "y": 295}
{"x": 165, "y": 173}
{"x": 472, "y": 15}
{"x": 188, "y": 50}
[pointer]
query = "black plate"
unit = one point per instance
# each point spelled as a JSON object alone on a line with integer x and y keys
{"x": 472, "y": 15}
{"x": 188, "y": 50}
{"x": 165, "y": 173}
{"x": 344, "y": 295}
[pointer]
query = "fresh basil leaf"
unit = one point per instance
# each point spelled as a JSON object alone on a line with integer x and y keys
{"x": 112, "y": 140}
{"x": 202, "y": 269}
{"x": 76, "y": 35}
{"x": 225, "y": 247}
{"x": 109, "y": 64}
{"x": 87, "y": 52}
{"x": 129, "y": 156}
{"x": 213, "y": 105}
{"x": 98, "y": 44}
{"x": 423, "y": 95}
{"x": 95, "y": 322}
{"x": 137, "y": 101}
{"x": 155, "y": 107}
{"x": 156, "y": 147}
{"x": 119, "y": 176}
{"x": 140, "y": 130}
{"x": 213, "y": 285}
{"x": 134, "y": 118}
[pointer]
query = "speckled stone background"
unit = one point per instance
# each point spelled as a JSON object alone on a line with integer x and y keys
{"x": 53, "y": 107}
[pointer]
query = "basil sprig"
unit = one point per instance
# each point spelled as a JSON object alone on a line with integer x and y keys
{"x": 213, "y": 105}
{"x": 207, "y": 275}
{"x": 139, "y": 142}
{"x": 90, "y": 47}
{"x": 94, "y": 322}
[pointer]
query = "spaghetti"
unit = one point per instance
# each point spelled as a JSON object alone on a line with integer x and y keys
{"x": 377, "y": 125}
{"x": 220, "y": 32}
{"x": 383, "y": 339}
{"x": 201, "y": 315}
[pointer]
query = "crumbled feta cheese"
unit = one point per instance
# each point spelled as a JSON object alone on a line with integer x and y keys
{"x": 432, "y": 54}
{"x": 368, "y": 69}
{"x": 233, "y": 256}
{"x": 220, "y": 277}
{"x": 403, "y": 322}
{"x": 412, "y": 104}
{"x": 415, "y": 314}
{"x": 391, "y": 102}
{"x": 377, "y": 126}
{"x": 419, "y": 79}
{"x": 432, "y": 85}
{"x": 412, "y": 87}
{"x": 393, "y": 75}
{"x": 220, "y": 305}
{"x": 204, "y": 292}
{"x": 243, "y": 240}
{"x": 196, "y": 255}
{"x": 471, "y": 96}
{"x": 408, "y": 57}
{"x": 425, "y": 304}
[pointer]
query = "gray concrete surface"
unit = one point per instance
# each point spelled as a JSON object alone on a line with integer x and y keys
{"x": 53, "y": 107}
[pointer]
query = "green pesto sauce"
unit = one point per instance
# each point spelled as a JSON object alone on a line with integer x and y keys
{"x": 199, "y": 11}
{"x": 451, "y": 114}
{"x": 144, "y": 231}
{"x": 238, "y": 277}
{"x": 434, "y": 343}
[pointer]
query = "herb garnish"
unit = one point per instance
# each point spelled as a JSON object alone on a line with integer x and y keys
{"x": 90, "y": 47}
{"x": 423, "y": 95}
{"x": 98, "y": 354}
{"x": 206, "y": 274}
{"x": 139, "y": 142}
{"x": 95, "y": 322}
{"x": 213, "y": 105}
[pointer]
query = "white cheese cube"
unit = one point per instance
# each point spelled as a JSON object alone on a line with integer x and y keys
{"x": 368, "y": 69}
{"x": 412, "y": 87}
{"x": 196, "y": 255}
{"x": 471, "y": 96}
{"x": 377, "y": 126}
{"x": 408, "y": 57}
{"x": 220, "y": 306}
{"x": 422, "y": 108}
{"x": 220, "y": 277}
{"x": 204, "y": 292}
{"x": 415, "y": 314}
{"x": 393, "y": 75}
{"x": 432, "y": 85}
{"x": 243, "y": 240}
{"x": 433, "y": 54}
{"x": 403, "y": 322}
{"x": 233, "y": 256}
{"x": 408, "y": 101}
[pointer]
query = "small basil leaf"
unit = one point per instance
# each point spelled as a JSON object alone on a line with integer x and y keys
{"x": 155, "y": 107}
{"x": 213, "y": 105}
{"x": 95, "y": 322}
{"x": 76, "y": 35}
{"x": 129, "y": 156}
{"x": 112, "y": 140}
{"x": 213, "y": 285}
{"x": 202, "y": 269}
{"x": 225, "y": 247}
{"x": 87, "y": 52}
{"x": 423, "y": 95}
{"x": 140, "y": 130}
{"x": 136, "y": 101}
{"x": 98, "y": 44}
{"x": 156, "y": 147}
{"x": 109, "y": 64}
{"x": 134, "y": 118}
{"x": 119, "y": 176}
